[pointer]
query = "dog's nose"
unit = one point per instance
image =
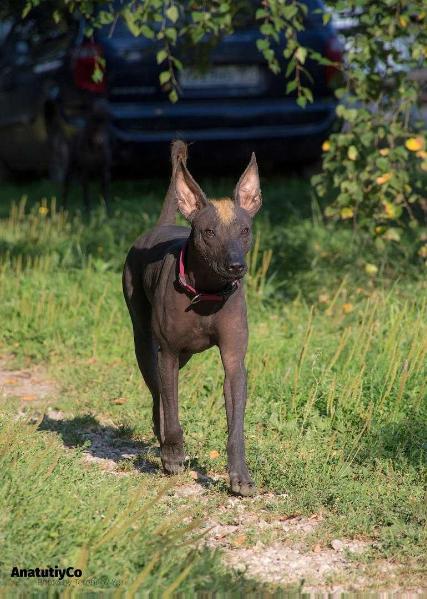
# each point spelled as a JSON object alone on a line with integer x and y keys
{"x": 236, "y": 268}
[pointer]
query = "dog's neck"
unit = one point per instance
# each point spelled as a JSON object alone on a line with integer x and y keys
{"x": 199, "y": 274}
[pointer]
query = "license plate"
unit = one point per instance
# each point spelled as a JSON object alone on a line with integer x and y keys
{"x": 221, "y": 76}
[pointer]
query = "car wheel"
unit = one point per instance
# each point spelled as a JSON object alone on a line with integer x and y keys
{"x": 58, "y": 156}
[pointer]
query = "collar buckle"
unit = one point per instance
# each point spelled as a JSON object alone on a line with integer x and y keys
{"x": 196, "y": 299}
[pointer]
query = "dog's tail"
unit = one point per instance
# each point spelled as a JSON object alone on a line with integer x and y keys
{"x": 178, "y": 155}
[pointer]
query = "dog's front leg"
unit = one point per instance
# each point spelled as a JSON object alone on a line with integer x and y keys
{"x": 235, "y": 403}
{"x": 172, "y": 448}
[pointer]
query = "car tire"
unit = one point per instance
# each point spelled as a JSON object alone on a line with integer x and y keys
{"x": 58, "y": 155}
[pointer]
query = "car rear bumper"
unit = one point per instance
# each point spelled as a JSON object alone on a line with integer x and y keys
{"x": 276, "y": 128}
{"x": 221, "y": 121}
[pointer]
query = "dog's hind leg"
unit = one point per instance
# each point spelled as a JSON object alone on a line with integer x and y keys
{"x": 66, "y": 186}
{"x": 106, "y": 188}
{"x": 146, "y": 355}
{"x": 65, "y": 190}
{"x": 86, "y": 193}
{"x": 146, "y": 348}
{"x": 172, "y": 448}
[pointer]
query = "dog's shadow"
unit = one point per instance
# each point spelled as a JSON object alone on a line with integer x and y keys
{"x": 107, "y": 445}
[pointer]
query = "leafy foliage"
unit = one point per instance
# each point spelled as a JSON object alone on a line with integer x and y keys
{"x": 373, "y": 169}
{"x": 172, "y": 23}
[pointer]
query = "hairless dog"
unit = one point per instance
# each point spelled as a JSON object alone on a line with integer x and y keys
{"x": 184, "y": 291}
{"x": 89, "y": 155}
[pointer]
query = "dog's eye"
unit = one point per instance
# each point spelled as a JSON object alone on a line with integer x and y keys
{"x": 245, "y": 231}
{"x": 209, "y": 233}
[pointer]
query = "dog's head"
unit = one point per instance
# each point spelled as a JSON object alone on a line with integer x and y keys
{"x": 221, "y": 228}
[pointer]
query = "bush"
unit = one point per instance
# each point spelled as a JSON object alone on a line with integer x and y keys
{"x": 374, "y": 169}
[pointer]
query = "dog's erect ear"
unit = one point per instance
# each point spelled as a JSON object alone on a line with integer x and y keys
{"x": 248, "y": 192}
{"x": 190, "y": 197}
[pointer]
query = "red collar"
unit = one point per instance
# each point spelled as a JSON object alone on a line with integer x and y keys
{"x": 201, "y": 296}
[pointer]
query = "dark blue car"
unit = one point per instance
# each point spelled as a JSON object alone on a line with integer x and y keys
{"x": 47, "y": 84}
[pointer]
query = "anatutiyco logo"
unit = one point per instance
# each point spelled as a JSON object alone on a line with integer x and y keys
{"x": 48, "y": 572}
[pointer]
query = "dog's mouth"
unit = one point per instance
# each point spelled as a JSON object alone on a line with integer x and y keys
{"x": 231, "y": 276}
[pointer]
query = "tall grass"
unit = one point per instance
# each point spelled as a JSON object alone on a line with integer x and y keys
{"x": 116, "y": 530}
{"x": 336, "y": 418}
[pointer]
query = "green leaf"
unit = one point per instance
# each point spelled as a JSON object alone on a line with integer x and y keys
{"x": 198, "y": 16}
{"x": 301, "y": 54}
{"x": 171, "y": 34}
{"x": 164, "y": 77}
{"x": 291, "y": 86}
{"x": 306, "y": 91}
{"x": 172, "y": 13}
{"x": 392, "y": 234}
{"x": 367, "y": 138}
{"x": 261, "y": 13}
{"x": 382, "y": 164}
{"x": 173, "y": 96}
{"x": 177, "y": 63}
{"x": 291, "y": 67}
{"x": 130, "y": 20}
{"x": 105, "y": 17}
{"x": 147, "y": 32}
{"x": 289, "y": 11}
{"x": 97, "y": 75}
{"x": 330, "y": 211}
{"x": 267, "y": 29}
{"x": 302, "y": 101}
{"x": 28, "y": 6}
{"x": 262, "y": 44}
{"x": 352, "y": 153}
{"x": 161, "y": 56}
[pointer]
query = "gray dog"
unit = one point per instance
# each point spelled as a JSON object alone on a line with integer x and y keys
{"x": 184, "y": 291}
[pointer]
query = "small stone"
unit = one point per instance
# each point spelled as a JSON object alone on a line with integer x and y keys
{"x": 337, "y": 545}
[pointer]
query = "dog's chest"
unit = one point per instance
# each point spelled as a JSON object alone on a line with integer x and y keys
{"x": 201, "y": 334}
{"x": 189, "y": 332}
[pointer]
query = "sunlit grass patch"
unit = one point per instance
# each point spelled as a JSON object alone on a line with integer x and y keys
{"x": 117, "y": 530}
{"x": 337, "y": 394}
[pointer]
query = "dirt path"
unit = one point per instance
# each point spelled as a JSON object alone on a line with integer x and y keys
{"x": 254, "y": 540}
{"x": 28, "y": 385}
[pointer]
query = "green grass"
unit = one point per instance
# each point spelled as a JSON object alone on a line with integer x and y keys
{"x": 336, "y": 419}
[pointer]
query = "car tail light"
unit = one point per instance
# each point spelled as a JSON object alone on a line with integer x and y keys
{"x": 88, "y": 61}
{"x": 334, "y": 52}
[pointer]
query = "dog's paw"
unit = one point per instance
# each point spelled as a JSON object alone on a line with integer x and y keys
{"x": 244, "y": 487}
{"x": 172, "y": 459}
{"x": 172, "y": 467}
